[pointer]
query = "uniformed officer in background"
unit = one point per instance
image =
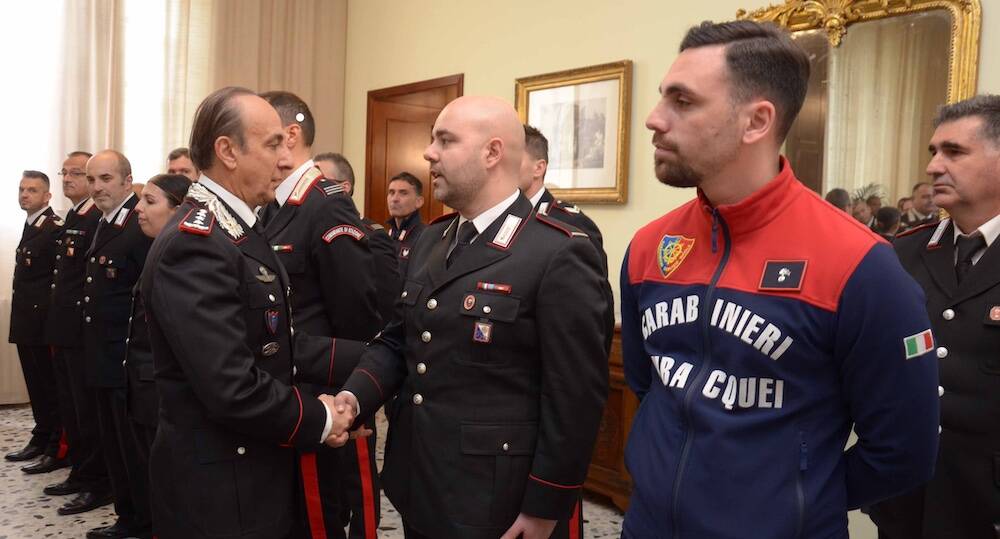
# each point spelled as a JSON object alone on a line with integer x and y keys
{"x": 223, "y": 464}
{"x": 534, "y": 165}
{"x": 115, "y": 260}
{"x": 314, "y": 228}
{"x": 29, "y": 305}
{"x": 496, "y": 351}
{"x": 336, "y": 168}
{"x": 957, "y": 263}
{"x": 88, "y": 477}
{"x": 179, "y": 162}
{"x": 404, "y": 198}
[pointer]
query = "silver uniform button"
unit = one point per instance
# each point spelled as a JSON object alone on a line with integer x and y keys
{"x": 126, "y": 342}
{"x": 87, "y": 319}
{"x": 939, "y": 429}
{"x": 92, "y": 260}
{"x": 942, "y": 352}
{"x": 425, "y": 336}
{"x": 487, "y": 309}
{"x": 404, "y": 294}
{"x": 271, "y": 297}
{"x": 432, "y": 304}
{"x": 52, "y": 286}
{"x": 421, "y": 368}
{"x": 90, "y": 279}
{"x": 86, "y": 299}
{"x": 77, "y": 303}
{"x": 505, "y": 446}
{"x": 418, "y": 399}
{"x": 55, "y": 272}
{"x": 58, "y": 257}
{"x": 940, "y": 391}
{"x": 948, "y": 314}
{"x": 241, "y": 451}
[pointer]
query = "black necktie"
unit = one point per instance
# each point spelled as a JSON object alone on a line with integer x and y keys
{"x": 466, "y": 233}
{"x": 967, "y": 246}
{"x": 100, "y": 226}
{"x": 268, "y": 212}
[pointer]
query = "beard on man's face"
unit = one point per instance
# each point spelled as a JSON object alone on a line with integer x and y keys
{"x": 676, "y": 173}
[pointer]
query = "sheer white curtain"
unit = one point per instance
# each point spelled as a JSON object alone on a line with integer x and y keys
{"x": 887, "y": 80}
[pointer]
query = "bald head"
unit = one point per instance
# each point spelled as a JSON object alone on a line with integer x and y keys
{"x": 475, "y": 153}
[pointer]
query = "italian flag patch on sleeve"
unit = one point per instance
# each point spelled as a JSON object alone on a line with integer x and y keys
{"x": 919, "y": 344}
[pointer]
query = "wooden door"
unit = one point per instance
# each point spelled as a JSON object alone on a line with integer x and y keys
{"x": 400, "y": 120}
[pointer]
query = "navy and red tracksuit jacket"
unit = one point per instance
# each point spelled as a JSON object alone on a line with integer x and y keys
{"x": 757, "y": 335}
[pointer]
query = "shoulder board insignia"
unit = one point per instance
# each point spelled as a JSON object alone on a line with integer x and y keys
{"x": 230, "y": 224}
{"x": 302, "y": 187}
{"x": 543, "y": 218}
{"x": 445, "y": 217}
{"x": 375, "y": 226}
{"x": 329, "y": 188}
{"x": 38, "y": 223}
{"x": 508, "y": 230}
{"x": 198, "y": 221}
{"x": 343, "y": 230}
{"x": 568, "y": 208}
{"x": 914, "y": 230}
{"x": 87, "y": 206}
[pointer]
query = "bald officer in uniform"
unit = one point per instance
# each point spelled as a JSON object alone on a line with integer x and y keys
{"x": 223, "y": 464}
{"x": 957, "y": 263}
{"x": 496, "y": 351}
{"x": 29, "y": 304}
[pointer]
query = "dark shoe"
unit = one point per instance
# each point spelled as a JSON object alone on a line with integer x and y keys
{"x": 62, "y": 489}
{"x": 116, "y": 531}
{"x": 29, "y": 452}
{"x": 46, "y": 464}
{"x": 85, "y": 501}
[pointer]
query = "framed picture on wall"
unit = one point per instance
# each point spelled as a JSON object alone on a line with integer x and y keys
{"x": 584, "y": 113}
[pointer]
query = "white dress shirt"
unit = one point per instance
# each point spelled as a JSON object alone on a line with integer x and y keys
{"x": 31, "y": 218}
{"x": 990, "y": 231}
{"x": 285, "y": 188}
{"x": 109, "y": 217}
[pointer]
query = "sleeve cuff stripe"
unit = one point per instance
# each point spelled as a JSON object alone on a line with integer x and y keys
{"x": 333, "y": 350}
{"x": 374, "y": 381}
{"x": 299, "y": 422}
{"x": 554, "y": 485}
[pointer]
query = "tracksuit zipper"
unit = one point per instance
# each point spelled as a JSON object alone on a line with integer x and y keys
{"x": 717, "y": 223}
{"x": 800, "y": 495}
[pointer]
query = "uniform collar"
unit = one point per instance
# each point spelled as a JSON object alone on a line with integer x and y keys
{"x": 485, "y": 219}
{"x": 109, "y": 217}
{"x": 33, "y": 217}
{"x": 761, "y": 207}
{"x": 409, "y": 222}
{"x": 537, "y": 197}
{"x": 990, "y": 230}
{"x": 241, "y": 208}
{"x": 76, "y": 207}
{"x": 286, "y": 187}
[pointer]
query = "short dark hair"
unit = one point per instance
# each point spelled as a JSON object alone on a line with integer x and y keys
{"x": 342, "y": 164}
{"x": 175, "y": 186}
{"x": 839, "y": 198}
{"x": 410, "y": 179}
{"x": 289, "y": 106}
{"x": 37, "y": 175}
{"x": 535, "y": 143}
{"x": 217, "y": 116}
{"x": 886, "y": 217}
{"x": 177, "y": 153}
{"x": 985, "y": 106}
{"x": 918, "y": 185}
{"x": 899, "y": 203}
{"x": 78, "y": 153}
{"x": 763, "y": 61}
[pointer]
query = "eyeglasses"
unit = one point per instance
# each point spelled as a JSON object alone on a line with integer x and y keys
{"x": 72, "y": 173}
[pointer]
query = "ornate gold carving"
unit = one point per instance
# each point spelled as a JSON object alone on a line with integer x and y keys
{"x": 835, "y": 16}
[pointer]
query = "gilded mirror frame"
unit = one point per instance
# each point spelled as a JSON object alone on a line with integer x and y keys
{"x": 836, "y": 17}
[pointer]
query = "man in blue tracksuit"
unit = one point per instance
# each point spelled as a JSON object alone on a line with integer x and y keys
{"x": 755, "y": 342}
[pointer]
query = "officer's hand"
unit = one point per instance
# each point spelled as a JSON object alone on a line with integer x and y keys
{"x": 342, "y": 418}
{"x": 530, "y": 527}
{"x": 345, "y": 400}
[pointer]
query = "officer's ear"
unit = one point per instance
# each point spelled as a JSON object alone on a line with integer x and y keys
{"x": 494, "y": 151}
{"x": 420, "y": 201}
{"x": 225, "y": 152}
{"x": 293, "y": 134}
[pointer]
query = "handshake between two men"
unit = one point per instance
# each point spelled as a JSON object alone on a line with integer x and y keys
{"x": 343, "y": 411}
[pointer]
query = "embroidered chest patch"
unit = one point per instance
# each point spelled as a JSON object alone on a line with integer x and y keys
{"x": 672, "y": 252}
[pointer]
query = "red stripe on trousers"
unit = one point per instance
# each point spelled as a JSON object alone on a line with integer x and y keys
{"x": 63, "y": 446}
{"x": 367, "y": 489}
{"x": 314, "y": 503}
{"x": 574, "y": 522}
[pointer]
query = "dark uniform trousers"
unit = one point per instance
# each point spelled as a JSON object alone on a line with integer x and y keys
{"x": 63, "y": 330}
{"x": 499, "y": 363}
{"x": 326, "y": 250}
{"x": 405, "y": 237}
{"x": 962, "y": 500}
{"x": 34, "y": 260}
{"x": 113, "y": 266}
{"x": 142, "y": 401}
{"x": 224, "y": 461}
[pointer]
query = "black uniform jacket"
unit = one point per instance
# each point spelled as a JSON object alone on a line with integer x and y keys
{"x": 33, "y": 268}
{"x": 143, "y": 402}
{"x": 387, "y": 279}
{"x": 114, "y": 263}
{"x": 65, "y": 319}
{"x": 222, "y": 464}
{"x": 405, "y": 236}
{"x": 569, "y": 213}
{"x": 501, "y": 371}
{"x": 963, "y": 498}
{"x": 319, "y": 238}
